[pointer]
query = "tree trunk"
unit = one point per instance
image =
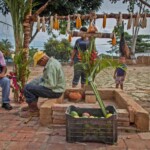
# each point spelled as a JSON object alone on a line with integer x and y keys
{"x": 135, "y": 32}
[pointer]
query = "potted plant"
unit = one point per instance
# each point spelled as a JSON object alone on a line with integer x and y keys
{"x": 92, "y": 64}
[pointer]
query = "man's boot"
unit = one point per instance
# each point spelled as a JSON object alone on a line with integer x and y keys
{"x": 32, "y": 111}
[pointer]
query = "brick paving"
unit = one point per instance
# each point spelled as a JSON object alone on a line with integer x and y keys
{"x": 16, "y": 135}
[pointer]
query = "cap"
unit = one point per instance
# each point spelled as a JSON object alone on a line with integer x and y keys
{"x": 37, "y": 56}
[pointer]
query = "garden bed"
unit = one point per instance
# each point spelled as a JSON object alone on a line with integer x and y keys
{"x": 130, "y": 113}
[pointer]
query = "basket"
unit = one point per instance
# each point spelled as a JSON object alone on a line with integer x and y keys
{"x": 91, "y": 129}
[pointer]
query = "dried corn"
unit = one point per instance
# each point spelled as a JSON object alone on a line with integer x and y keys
{"x": 43, "y": 24}
{"x": 114, "y": 40}
{"x": 38, "y": 23}
{"x": 120, "y": 19}
{"x": 104, "y": 21}
{"x": 136, "y": 21}
{"x": 51, "y": 22}
{"x": 78, "y": 22}
{"x": 129, "y": 22}
{"x": 68, "y": 24}
{"x": 56, "y": 23}
{"x": 69, "y": 38}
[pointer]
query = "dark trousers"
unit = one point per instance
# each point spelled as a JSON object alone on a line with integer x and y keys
{"x": 33, "y": 92}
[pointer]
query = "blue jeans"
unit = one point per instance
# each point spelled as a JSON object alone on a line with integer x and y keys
{"x": 32, "y": 91}
{"x": 5, "y": 85}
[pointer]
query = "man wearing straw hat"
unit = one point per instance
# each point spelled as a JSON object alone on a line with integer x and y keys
{"x": 50, "y": 85}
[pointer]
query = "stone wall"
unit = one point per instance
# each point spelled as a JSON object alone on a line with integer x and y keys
{"x": 143, "y": 60}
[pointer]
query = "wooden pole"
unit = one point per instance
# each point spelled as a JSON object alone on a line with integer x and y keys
{"x": 91, "y": 16}
{"x": 95, "y": 35}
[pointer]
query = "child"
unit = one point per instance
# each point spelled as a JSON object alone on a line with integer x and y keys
{"x": 120, "y": 73}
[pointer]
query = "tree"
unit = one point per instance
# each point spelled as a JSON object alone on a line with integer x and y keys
{"x": 59, "y": 7}
{"x": 135, "y": 29}
{"x": 59, "y": 49}
{"x": 21, "y": 12}
{"x": 145, "y": 2}
{"x": 18, "y": 10}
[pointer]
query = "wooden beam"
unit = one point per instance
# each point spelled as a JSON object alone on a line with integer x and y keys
{"x": 90, "y": 16}
{"x": 95, "y": 35}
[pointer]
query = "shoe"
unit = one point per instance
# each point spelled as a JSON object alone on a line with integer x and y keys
{"x": 7, "y": 106}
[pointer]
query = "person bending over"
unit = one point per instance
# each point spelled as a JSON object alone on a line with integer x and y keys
{"x": 50, "y": 85}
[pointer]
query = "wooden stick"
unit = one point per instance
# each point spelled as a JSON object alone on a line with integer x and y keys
{"x": 95, "y": 35}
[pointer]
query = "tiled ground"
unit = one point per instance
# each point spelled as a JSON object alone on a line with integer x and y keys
{"x": 15, "y": 135}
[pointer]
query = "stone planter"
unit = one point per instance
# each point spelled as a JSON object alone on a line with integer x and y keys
{"x": 129, "y": 112}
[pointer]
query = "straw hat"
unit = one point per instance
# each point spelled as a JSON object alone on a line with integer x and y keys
{"x": 37, "y": 56}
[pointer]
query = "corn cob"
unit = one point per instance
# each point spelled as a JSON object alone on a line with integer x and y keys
{"x": 136, "y": 20}
{"x": 114, "y": 40}
{"x": 68, "y": 24}
{"x": 129, "y": 22}
{"x": 38, "y": 23}
{"x": 142, "y": 23}
{"x": 43, "y": 24}
{"x": 78, "y": 22}
{"x": 56, "y": 23}
{"x": 104, "y": 21}
{"x": 51, "y": 22}
{"x": 120, "y": 19}
{"x": 69, "y": 38}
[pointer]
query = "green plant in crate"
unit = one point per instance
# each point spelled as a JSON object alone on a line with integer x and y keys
{"x": 92, "y": 64}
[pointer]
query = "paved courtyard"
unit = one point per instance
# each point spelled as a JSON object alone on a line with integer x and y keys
{"x": 16, "y": 135}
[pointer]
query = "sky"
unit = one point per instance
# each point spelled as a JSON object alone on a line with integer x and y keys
{"x": 102, "y": 45}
